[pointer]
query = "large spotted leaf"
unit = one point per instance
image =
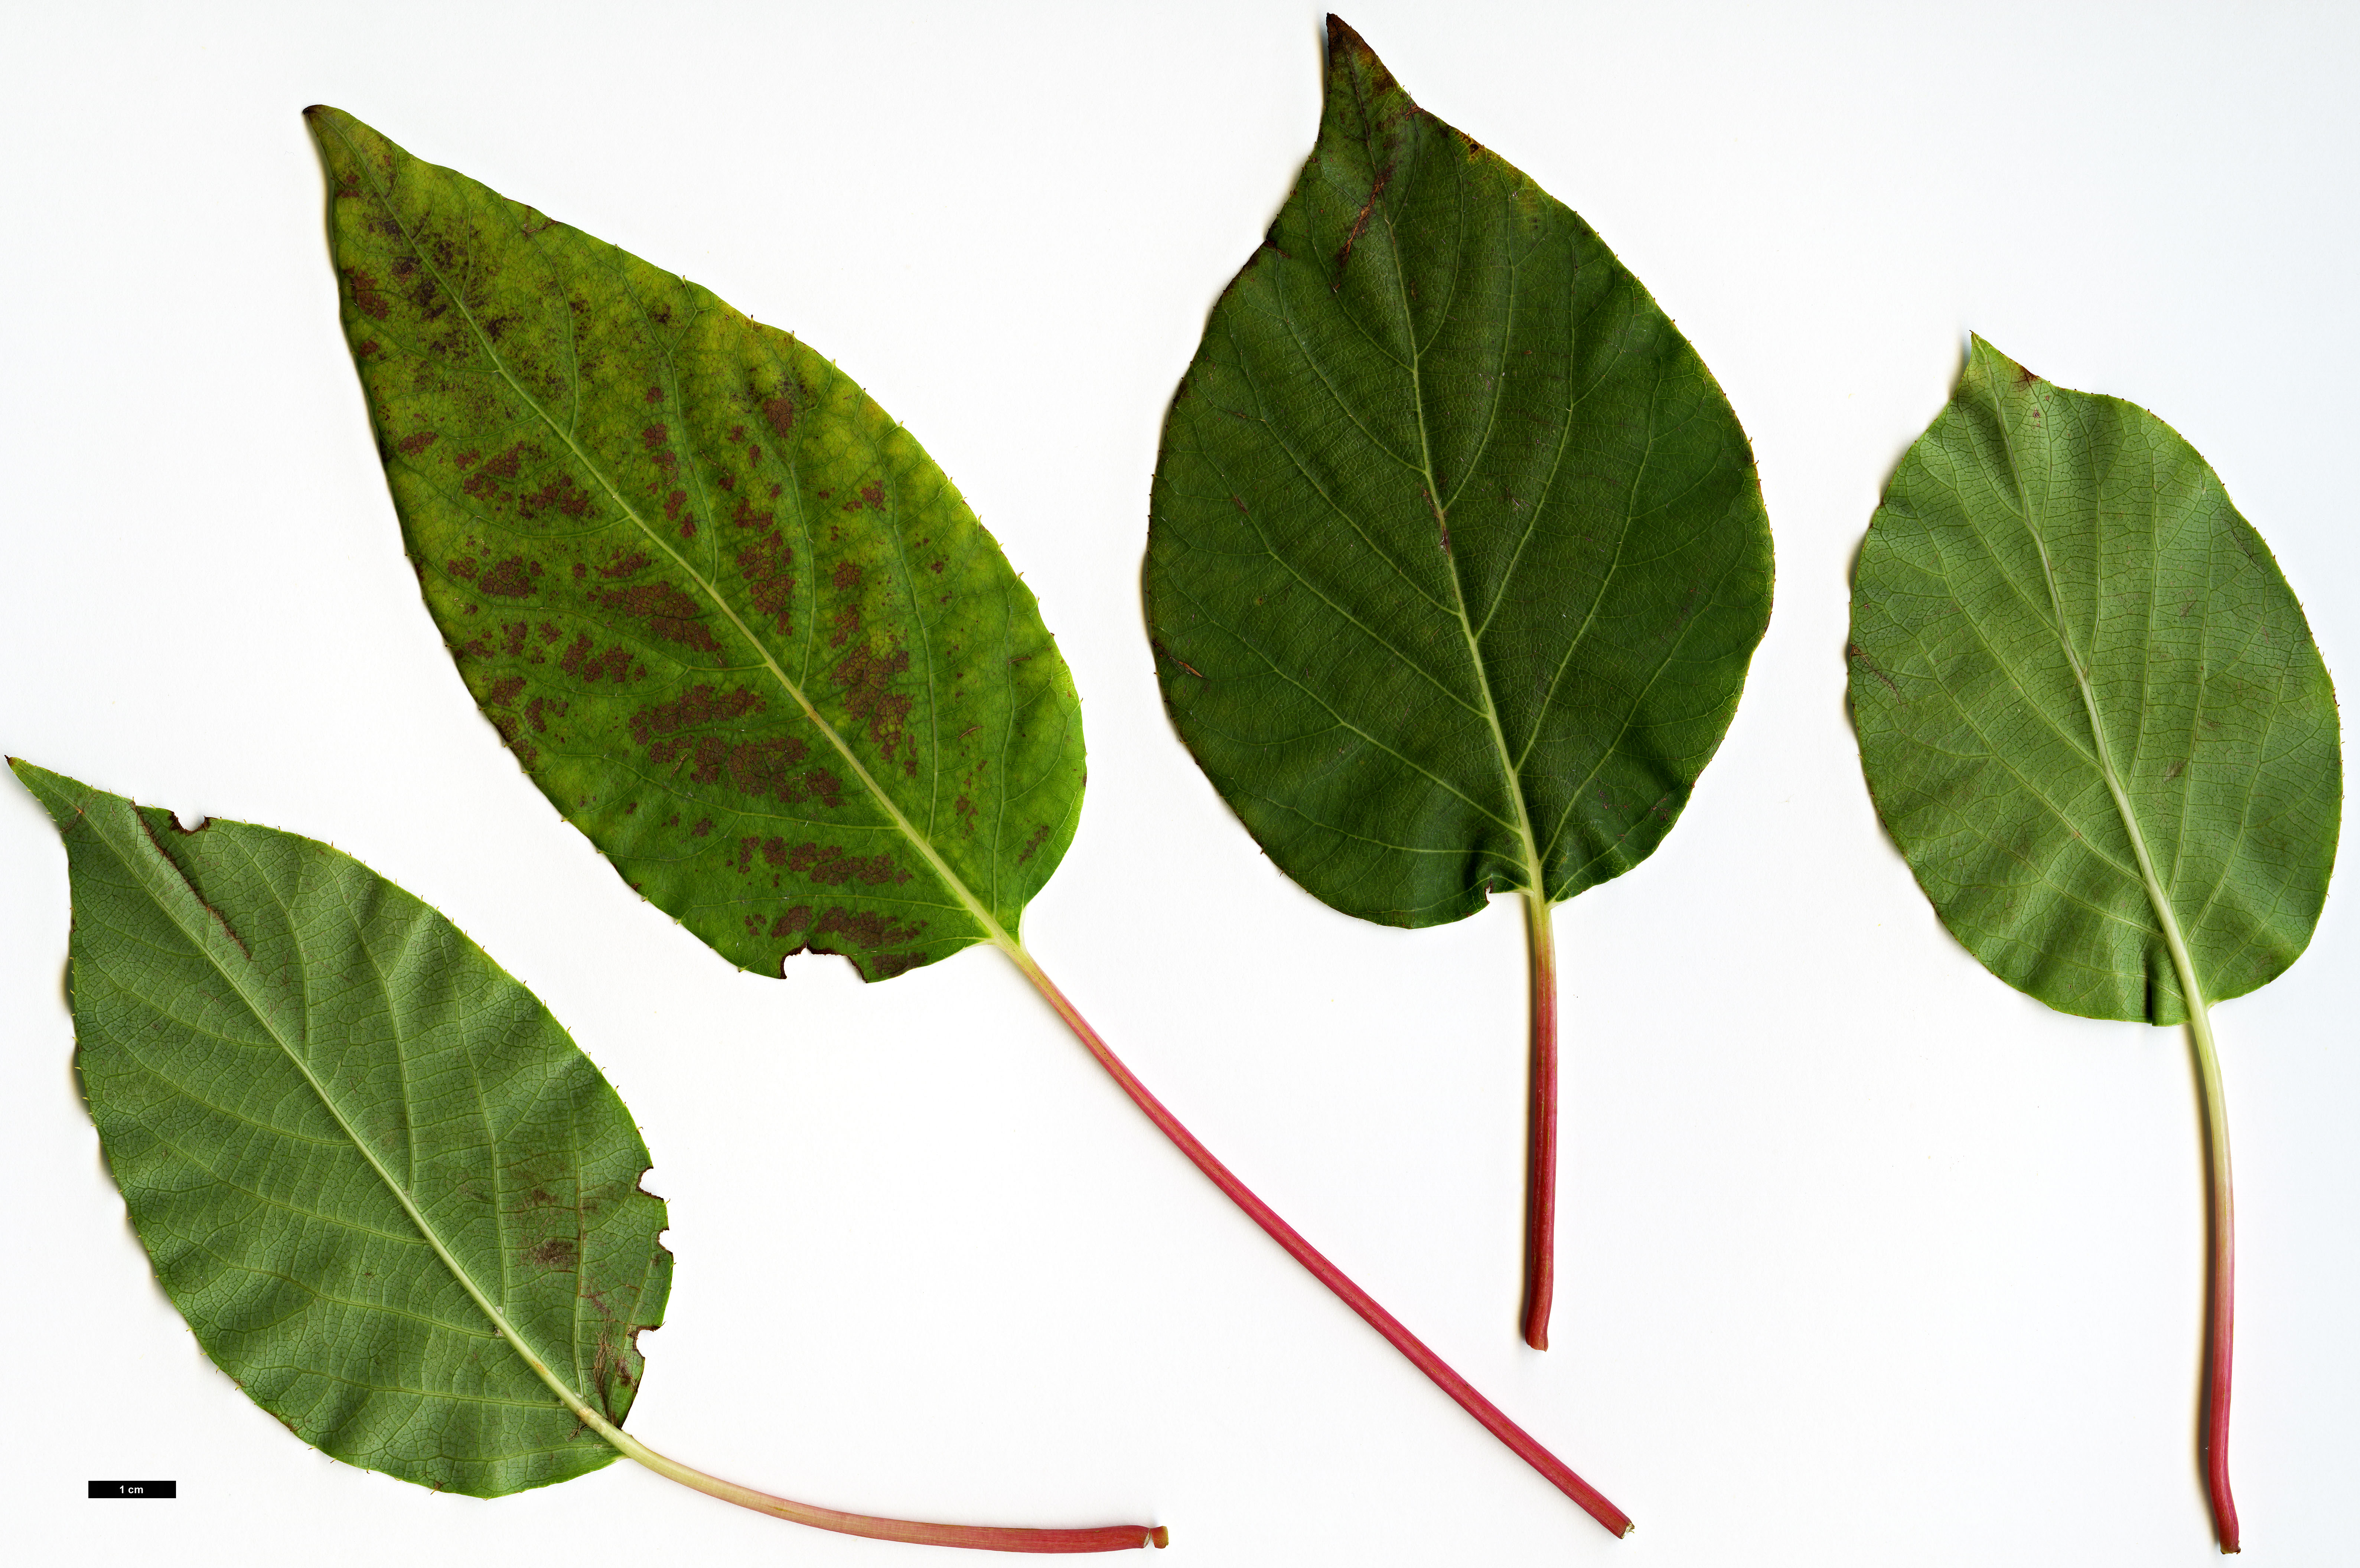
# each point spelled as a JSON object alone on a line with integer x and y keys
{"x": 726, "y": 613}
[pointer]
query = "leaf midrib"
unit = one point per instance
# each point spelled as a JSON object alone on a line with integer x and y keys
{"x": 994, "y": 931}
{"x": 1535, "y": 881}
{"x": 197, "y": 936}
{"x": 2182, "y": 963}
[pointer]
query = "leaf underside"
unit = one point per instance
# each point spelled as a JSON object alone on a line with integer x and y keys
{"x": 1458, "y": 556}
{"x": 2032, "y": 529}
{"x": 327, "y": 1110}
{"x": 729, "y": 617}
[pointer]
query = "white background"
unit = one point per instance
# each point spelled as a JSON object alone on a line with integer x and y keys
{"x": 1865, "y": 1258}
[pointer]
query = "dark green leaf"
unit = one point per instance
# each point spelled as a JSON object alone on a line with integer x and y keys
{"x": 1456, "y": 555}
{"x": 729, "y": 617}
{"x": 373, "y": 1172}
{"x": 2086, "y": 698}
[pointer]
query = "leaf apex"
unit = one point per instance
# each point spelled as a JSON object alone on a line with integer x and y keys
{"x": 61, "y": 797}
{"x": 1346, "y": 50}
{"x": 1980, "y": 349}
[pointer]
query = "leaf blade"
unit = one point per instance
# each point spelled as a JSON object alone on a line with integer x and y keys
{"x": 747, "y": 603}
{"x": 1385, "y": 622}
{"x": 2033, "y": 536}
{"x": 296, "y": 1070}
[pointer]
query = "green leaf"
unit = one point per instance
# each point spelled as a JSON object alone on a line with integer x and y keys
{"x": 397, "y": 1204}
{"x": 2092, "y": 718}
{"x": 728, "y": 615}
{"x": 1456, "y": 555}
{"x": 392, "y": 1199}
{"x": 2077, "y": 675}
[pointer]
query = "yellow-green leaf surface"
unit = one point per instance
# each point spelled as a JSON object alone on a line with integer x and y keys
{"x": 2089, "y": 705}
{"x": 374, "y": 1175}
{"x": 725, "y": 613}
{"x": 1457, "y": 556}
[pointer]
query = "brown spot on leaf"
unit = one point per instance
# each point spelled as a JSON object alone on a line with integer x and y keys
{"x": 511, "y": 579}
{"x": 1360, "y": 222}
{"x": 609, "y": 665}
{"x": 561, "y": 493}
{"x": 510, "y": 737}
{"x": 410, "y": 446}
{"x": 655, "y": 394}
{"x": 873, "y": 496}
{"x": 866, "y": 681}
{"x": 514, "y": 633}
{"x": 693, "y": 709}
{"x": 465, "y": 566}
{"x": 1852, "y": 650}
{"x": 624, "y": 565}
{"x": 865, "y": 928}
{"x": 794, "y": 920}
{"x": 703, "y": 826}
{"x": 1039, "y": 834}
{"x": 669, "y": 614}
{"x": 764, "y": 565}
{"x": 538, "y": 712}
{"x": 654, "y": 436}
{"x": 828, "y": 864}
{"x": 781, "y": 413}
{"x": 366, "y": 298}
{"x": 845, "y": 575}
{"x": 557, "y": 1252}
{"x": 765, "y": 768}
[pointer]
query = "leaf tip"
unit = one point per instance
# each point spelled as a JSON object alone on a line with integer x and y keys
{"x": 1979, "y": 350}
{"x": 1345, "y": 44}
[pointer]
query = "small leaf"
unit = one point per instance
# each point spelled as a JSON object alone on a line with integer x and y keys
{"x": 372, "y": 1171}
{"x": 1457, "y": 556}
{"x": 727, "y": 615}
{"x": 2057, "y": 603}
{"x": 2092, "y": 718}
{"x": 395, "y": 1204}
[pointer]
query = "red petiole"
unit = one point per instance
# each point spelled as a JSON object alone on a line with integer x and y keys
{"x": 1493, "y": 1419}
{"x": 1540, "y": 1173}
